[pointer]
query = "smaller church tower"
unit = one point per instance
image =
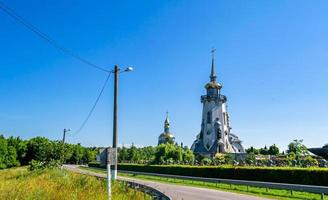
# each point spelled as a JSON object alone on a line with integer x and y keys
{"x": 166, "y": 136}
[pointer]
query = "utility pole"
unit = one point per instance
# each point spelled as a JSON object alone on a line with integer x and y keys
{"x": 62, "y": 159}
{"x": 112, "y": 152}
{"x": 116, "y": 72}
{"x": 64, "y": 135}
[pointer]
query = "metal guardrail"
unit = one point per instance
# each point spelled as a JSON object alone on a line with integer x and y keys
{"x": 268, "y": 185}
{"x": 154, "y": 193}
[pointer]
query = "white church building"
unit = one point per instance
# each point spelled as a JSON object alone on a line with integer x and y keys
{"x": 215, "y": 135}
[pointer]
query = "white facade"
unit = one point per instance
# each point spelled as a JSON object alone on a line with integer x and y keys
{"x": 215, "y": 136}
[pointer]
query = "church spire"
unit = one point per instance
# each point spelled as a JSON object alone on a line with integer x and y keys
{"x": 167, "y": 123}
{"x": 213, "y": 84}
{"x": 213, "y": 72}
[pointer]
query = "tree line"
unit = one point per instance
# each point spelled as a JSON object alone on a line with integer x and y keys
{"x": 15, "y": 151}
{"x": 162, "y": 154}
{"x": 295, "y": 155}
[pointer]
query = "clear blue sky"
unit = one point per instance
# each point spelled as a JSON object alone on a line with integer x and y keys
{"x": 271, "y": 57}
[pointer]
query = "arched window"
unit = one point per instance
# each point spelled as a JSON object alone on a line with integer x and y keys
{"x": 209, "y": 117}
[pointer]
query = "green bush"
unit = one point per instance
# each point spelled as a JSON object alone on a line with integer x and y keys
{"x": 39, "y": 165}
{"x": 95, "y": 164}
{"x": 306, "y": 176}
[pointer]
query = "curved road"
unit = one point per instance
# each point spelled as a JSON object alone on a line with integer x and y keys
{"x": 177, "y": 192}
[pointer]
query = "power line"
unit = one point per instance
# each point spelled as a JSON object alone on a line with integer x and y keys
{"x": 94, "y": 106}
{"x": 11, "y": 12}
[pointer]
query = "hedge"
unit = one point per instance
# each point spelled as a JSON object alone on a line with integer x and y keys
{"x": 304, "y": 176}
{"x": 95, "y": 164}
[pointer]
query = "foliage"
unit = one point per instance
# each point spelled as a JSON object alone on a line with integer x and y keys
{"x": 298, "y": 148}
{"x": 19, "y": 183}
{"x": 258, "y": 191}
{"x": 39, "y": 165}
{"x": 219, "y": 159}
{"x": 250, "y": 159}
{"x": 253, "y": 150}
{"x": 41, "y": 152}
{"x": 8, "y": 154}
{"x": 95, "y": 165}
{"x": 272, "y": 150}
{"x": 306, "y": 176}
{"x": 309, "y": 161}
{"x": 161, "y": 154}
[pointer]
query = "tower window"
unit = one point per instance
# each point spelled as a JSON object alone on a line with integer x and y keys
{"x": 225, "y": 118}
{"x": 209, "y": 117}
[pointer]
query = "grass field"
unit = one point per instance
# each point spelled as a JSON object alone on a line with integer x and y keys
{"x": 53, "y": 184}
{"x": 262, "y": 192}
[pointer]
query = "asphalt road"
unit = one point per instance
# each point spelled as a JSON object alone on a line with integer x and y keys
{"x": 178, "y": 192}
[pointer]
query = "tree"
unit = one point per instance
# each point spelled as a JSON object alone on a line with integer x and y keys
{"x": 219, "y": 159}
{"x": 77, "y": 154}
{"x": 11, "y": 157}
{"x": 8, "y": 155}
{"x": 273, "y": 150}
{"x": 298, "y": 148}
{"x": 38, "y": 148}
{"x": 89, "y": 154}
{"x": 309, "y": 162}
{"x": 3, "y": 152}
{"x": 20, "y": 148}
{"x": 167, "y": 153}
{"x": 188, "y": 156}
{"x": 250, "y": 159}
{"x": 253, "y": 150}
{"x": 123, "y": 154}
{"x": 133, "y": 154}
{"x": 264, "y": 151}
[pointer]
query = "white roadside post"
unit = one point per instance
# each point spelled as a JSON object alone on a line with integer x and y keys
{"x": 109, "y": 182}
{"x": 111, "y": 160}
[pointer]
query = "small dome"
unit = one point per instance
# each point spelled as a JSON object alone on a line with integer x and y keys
{"x": 167, "y": 135}
{"x": 213, "y": 85}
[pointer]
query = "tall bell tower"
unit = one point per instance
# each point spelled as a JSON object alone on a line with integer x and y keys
{"x": 215, "y": 136}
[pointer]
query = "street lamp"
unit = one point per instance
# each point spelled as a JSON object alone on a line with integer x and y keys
{"x": 116, "y": 72}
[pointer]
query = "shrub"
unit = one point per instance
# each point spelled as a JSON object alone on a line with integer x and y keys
{"x": 96, "y": 164}
{"x": 306, "y": 176}
{"x": 38, "y": 165}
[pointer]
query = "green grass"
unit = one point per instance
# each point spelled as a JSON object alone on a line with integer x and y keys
{"x": 262, "y": 192}
{"x": 53, "y": 184}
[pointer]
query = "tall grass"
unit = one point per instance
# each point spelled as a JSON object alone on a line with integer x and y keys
{"x": 53, "y": 184}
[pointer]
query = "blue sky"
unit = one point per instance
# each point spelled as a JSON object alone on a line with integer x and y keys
{"x": 271, "y": 59}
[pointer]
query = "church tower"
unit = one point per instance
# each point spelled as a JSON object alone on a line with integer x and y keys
{"x": 166, "y": 136}
{"x": 215, "y": 136}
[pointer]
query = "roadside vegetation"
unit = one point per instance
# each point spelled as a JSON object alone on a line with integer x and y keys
{"x": 21, "y": 183}
{"x": 40, "y": 152}
{"x": 292, "y": 175}
{"x": 262, "y": 192}
{"x": 296, "y": 155}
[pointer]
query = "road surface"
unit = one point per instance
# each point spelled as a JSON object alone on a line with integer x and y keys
{"x": 177, "y": 192}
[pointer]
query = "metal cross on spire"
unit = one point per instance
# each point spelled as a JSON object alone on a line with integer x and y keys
{"x": 167, "y": 117}
{"x": 213, "y": 73}
{"x": 213, "y": 51}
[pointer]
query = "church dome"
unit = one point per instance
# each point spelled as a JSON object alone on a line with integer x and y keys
{"x": 213, "y": 85}
{"x": 166, "y": 135}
